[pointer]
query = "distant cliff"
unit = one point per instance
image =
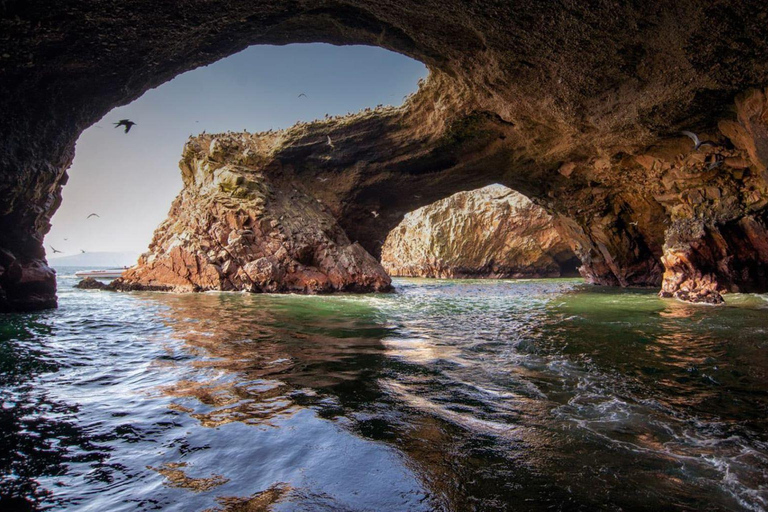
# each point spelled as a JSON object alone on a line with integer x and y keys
{"x": 491, "y": 232}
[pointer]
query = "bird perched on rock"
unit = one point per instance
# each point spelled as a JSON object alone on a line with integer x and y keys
{"x": 696, "y": 142}
{"x": 54, "y": 249}
{"x": 127, "y": 123}
{"x": 93, "y": 215}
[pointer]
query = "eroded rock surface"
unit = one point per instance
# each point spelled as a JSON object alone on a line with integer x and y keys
{"x": 576, "y": 105}
{"x": 236, "y": 228}
{"x": 490, "y": 232}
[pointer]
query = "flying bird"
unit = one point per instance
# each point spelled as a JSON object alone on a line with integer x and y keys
{"x": 127, "y": 123}
{"x": 330, "y": 142}
{"x": 93, "y": 215}
{"x": 82, "y": 251}
{"x": 302, "y": 94}
{"x": 374, "y": 213}
{"x": 323, "y": 180}
{"x": 54, "y": 249}
{"x": 696, "y": 142}
{"x": 633, "y": 223}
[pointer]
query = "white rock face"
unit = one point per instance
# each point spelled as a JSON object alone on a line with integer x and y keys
{"x": 491, "y": 232}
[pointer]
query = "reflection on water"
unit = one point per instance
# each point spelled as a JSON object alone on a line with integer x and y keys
{"x": 447, "y": 395}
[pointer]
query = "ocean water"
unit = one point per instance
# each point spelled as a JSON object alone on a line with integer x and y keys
{"x": 445, "y": 395}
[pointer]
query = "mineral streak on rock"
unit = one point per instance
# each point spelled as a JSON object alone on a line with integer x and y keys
{"x": 576, "y": 105}
{"x": 234, "y": 227}
{"x": 491, "y": 232}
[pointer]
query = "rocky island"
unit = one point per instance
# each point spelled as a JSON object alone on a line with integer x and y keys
{"x": 236, "y": 226}
{"x": 490, "y": 232}
{"x": 579, "y": 107}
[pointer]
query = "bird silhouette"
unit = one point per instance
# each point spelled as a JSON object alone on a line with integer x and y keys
{"x": 302, "y": 94}
{"x": 696, "y": 142}
{"x": 330, "y": 142}
{"x": 54, "y": 249}
{"x": 82, "y": 251}
{"x": 127, "y": 123}
{"x": 93, "y": 215}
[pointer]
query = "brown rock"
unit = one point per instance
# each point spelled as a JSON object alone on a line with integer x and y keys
{"x": 491, "y": 232}
{"x": 233, "y": 228}
{"x": 515, "y": 90}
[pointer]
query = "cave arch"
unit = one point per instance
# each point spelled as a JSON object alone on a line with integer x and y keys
{"x": 555, "y": 100}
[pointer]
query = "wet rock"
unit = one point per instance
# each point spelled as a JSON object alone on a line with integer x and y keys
{"x": 236, "y": 228}
{"x": 490, "y": 232}
{"x": 90, "y": 283}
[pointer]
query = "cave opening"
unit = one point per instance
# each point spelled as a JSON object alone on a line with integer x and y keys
{"x": 129, "y": 179}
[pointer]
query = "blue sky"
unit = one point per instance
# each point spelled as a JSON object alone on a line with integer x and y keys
{"x": 129, "y": 180}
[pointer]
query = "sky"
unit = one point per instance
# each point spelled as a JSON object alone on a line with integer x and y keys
{"x": 129, "y": 180}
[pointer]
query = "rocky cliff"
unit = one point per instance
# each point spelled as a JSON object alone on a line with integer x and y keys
{"x": 579, "y": 106}
{"x": 234, "y": 227}
{"x": 490, "y": 232}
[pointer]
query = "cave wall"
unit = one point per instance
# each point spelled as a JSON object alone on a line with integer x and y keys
{"x": 554, "y": 99}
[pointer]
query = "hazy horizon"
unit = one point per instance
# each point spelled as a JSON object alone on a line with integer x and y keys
{"x": 129, "y": 180}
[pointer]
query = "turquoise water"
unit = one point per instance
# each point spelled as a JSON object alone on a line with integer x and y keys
{"x": 446, "y": 395}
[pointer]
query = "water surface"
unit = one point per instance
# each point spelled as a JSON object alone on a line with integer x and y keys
{"x": 446, "y": 395}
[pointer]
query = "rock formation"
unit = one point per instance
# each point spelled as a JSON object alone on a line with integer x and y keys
{"x": 90, "y": 283}
{"x": 237, "y": 227}
{"x": 490, "y": 232}
{"x": 576, "y": 105}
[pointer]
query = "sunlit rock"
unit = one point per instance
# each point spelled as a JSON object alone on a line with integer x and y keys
{"x": 490, "y": 232}
{"x": 236, "y": 228}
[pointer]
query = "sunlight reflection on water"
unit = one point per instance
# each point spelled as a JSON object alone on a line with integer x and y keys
{"x": 445, "y": 395}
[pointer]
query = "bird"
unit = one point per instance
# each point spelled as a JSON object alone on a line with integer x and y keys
{"x": 302, "y": 94}
{"x": 321, "y": 179}
{"x": 82, "y": 251}
{"x": 125, "y": 122}
{"x": 374, "y": 213}
{"x": 93, "y": 215}
{"x": 54, "y": 249}
{"x": 66, "y": 239}
{"x": 416, "y": 196}
{"x": 696, "y": 142}
{"x": 330, "y": 142}
{"x": 716, "y": 163}
{"x": 633, "y": 223}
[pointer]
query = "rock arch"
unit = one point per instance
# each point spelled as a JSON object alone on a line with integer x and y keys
{"x": 576, "y": 105}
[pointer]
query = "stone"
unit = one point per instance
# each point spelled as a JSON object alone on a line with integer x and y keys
{"x": 498, "y": 107}
{"x": 90, "y": 283}
{"x": 490, "y": 232}
{"x": 222, "y": 233}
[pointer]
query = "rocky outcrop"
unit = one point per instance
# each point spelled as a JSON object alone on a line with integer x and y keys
{"x": 490, "y": 232}
{"x": 236, "y": 227}
{"x": 576, "y": 105}
{"x": 90, "y": 283}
